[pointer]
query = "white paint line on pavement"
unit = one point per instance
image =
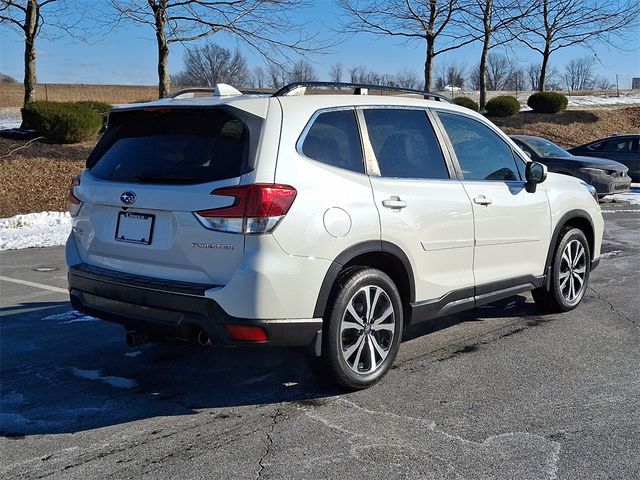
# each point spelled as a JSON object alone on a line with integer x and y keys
{"x": 621, "y": 211}
{"x": 41, "y": 286}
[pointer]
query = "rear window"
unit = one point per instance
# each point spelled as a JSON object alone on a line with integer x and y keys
{"x": 171, "y": 146}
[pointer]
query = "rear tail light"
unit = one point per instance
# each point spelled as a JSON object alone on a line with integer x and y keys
{"x": 257, "y": 208}
{"x": 247, "y": 333}
{"x": 74, "y": 202}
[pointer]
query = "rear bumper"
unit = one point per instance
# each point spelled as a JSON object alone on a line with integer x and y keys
{"x": 173, "y": 309}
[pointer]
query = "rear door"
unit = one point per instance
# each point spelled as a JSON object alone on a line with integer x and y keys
{"x": 423, "y": 208}
{"x": 512, "y": 226}
{"x": 150, "y": 171}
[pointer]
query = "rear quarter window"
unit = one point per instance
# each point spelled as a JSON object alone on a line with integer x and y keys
{"x": 334, "y": 139}
{"x": 171, "y": 146}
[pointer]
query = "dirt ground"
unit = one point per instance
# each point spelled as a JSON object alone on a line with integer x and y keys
{"x": 36, "y": 178}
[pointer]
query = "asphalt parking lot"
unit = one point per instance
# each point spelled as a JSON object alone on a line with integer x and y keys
{"x": 500, "y": 392}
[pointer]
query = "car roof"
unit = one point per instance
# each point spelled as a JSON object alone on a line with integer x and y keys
{"x": 258, "y": 104}
{"x": 614, "y": 137}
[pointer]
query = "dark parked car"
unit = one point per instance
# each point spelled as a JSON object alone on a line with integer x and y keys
{"x": 621, "y": 148}
{"x": 607, "y": 176}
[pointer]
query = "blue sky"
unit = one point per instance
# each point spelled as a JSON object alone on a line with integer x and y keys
{"x": 128, "y": 55}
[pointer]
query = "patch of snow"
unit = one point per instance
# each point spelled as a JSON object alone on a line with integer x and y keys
{"x": 44, "y": 229}
{"x": 631, "y": 197}
{"x": 10, "y": 118}
{"x": 71, "y": 317}
{"x": 614, "y": 253}
{"x": 595, "y": 101}
{"x": 133, "y": 354}
{"x": 118, "y": 382}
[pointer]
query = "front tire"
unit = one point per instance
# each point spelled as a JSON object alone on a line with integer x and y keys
{"x": 569, "y": 273}
{"x": 362, "y": 329}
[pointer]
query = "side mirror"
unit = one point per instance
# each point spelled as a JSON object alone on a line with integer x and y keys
{"x": 535, "y": 173}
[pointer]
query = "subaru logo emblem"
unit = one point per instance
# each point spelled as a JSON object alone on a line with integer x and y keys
{"x": 128, "y": 198}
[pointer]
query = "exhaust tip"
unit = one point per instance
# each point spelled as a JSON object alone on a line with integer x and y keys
{"x": 203, "y": 338}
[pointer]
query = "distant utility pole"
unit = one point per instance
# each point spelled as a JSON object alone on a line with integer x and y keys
{"x": 617, "y": 86}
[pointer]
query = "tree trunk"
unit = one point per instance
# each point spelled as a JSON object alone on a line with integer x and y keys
{"x": 164, "y": 80}
{"x": 543, "y": 69}
{"x": 428, "y": 64}
{"x": 482, "y": 73}
{"x": 30, "y": 32}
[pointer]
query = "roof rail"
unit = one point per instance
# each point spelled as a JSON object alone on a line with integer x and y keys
{"x": 220, "y": 90}
{"x": 298, "y": 88}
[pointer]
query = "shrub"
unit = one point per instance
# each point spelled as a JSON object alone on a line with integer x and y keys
{"x": 547, "y": 102}
{"x": 62, "y": 122}
{"x": 467, "y": 102}
{"x": 100, "y": 108}
{"x": 503, "y": 106}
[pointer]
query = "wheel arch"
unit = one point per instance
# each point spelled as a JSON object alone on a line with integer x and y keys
{"x": 382, "y": 255}
{"x": 573, "y": 218}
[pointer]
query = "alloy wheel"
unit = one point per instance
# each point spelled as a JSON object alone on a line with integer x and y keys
{"x": 573, "y": 270}
{"x": 367, "y": 329}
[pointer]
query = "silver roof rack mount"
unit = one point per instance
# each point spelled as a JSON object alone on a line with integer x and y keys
{"x": 220, "y": 90}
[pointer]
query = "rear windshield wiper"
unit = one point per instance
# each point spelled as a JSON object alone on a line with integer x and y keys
{"x": 167, "y": 179}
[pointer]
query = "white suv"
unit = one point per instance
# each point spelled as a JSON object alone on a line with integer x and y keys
{"x": 327, "y": 221}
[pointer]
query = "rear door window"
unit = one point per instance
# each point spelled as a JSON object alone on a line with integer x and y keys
{"x": 171, "y": 146}
{"x": 334, "y": 139}
{"x": 405, "y": 144}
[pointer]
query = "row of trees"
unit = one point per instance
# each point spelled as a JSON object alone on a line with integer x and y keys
{"x": 209, "y": 64}
{"x": 272, "y": 28}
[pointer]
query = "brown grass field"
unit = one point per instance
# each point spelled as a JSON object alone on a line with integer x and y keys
{"x": 36, "y": 178}
{"x": 11, "y": 94}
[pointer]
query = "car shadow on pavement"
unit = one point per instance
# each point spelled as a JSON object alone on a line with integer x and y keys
{"x": 66, "y": 372}
{"x": 511, "y": 307}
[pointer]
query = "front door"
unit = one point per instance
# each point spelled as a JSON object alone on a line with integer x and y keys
{"x": 512, "y": 226}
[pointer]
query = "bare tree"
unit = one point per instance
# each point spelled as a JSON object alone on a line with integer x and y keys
{"x": 362, "y": 74}
{"x": 433, "y": 21}
{"x": 210, "y": 64}
{"x": 302, "y": 71}
{"x": 499, "y": 69}
{"x": 258, "y": 77}
{"x": 277, "y": 75}
{"x": 493, "y": 23}
{"x": 266, "y": 26}
{"x": 335, "y": 72}
{"x": 28, "y": 17}
{"x": 516, "y": 81}
{"x": 578, "y": 74}
{"x": 557, "y": 24}
{"x": 551, "y": 78}
{"x": 602, "y": 83}
{"x": 451, "y": 75}
{"x": 406, "y": 78}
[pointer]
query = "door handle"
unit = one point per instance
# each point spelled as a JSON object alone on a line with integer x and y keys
{"x": 394, "y": 203}
{"x": 482, "y": 200}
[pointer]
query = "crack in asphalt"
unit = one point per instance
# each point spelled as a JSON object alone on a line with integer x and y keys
{"x": 613, "y": 308}
{"x": 267, "y": 450}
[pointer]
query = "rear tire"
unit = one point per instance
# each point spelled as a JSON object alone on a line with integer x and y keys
{"x": 362, "y": 329}
{"x": 569, "y": 273}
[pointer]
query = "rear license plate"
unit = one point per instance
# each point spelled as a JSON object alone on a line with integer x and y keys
{"x": 135, "y": 227}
